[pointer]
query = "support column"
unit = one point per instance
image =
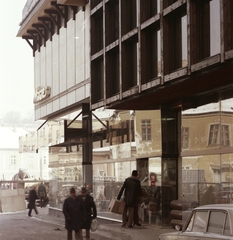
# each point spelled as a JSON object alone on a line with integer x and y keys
{"x": 87, "y": 146}
{"x": 170, "y": 153}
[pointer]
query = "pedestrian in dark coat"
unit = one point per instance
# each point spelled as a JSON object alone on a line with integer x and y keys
{"x": 90, "y": 210}
{"x": 32, "y": 201}
{"x": 132, "y": 188}
{"x": 74, "y": 213}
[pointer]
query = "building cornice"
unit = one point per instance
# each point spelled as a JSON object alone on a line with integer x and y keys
{"x": 45, "y": 18}
{"x": 32, "y": 16}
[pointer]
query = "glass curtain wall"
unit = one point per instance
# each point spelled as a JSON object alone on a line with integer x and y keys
{"x": 65, "y": 158}
{"x": 207, "y": 154}
{"x": 133, "y": 142}
{"x": 122, "y": 142}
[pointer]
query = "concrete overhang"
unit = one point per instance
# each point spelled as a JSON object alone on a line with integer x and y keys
{"x": 73, "y": 2}
{"x": 32, "y": 17}
{"x": 43, "y": 18}
{"x": 39, "y": 10}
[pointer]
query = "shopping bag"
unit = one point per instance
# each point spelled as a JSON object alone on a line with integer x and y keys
{"x": 94, "y": 224}
{"x": 114, "y": 205}
{"x": 121, "y": 207}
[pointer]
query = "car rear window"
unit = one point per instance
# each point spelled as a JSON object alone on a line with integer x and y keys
{"x": 227, "y": 230}
{"x": 216, "y": 222}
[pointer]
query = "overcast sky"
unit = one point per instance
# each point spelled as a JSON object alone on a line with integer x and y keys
{"x": 16, "y": 62}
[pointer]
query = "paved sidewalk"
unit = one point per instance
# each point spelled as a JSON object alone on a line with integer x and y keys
{"x": 144, "y": 232}
{"x": 18, "y": 226}
{"x": 113, "y": 230}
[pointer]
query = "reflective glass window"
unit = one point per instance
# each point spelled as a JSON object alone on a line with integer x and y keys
{"x": 227, "y": 228}
{"x": 146, "y": 130}
{"x": 216, "y": 222}
{"x": 200, "y": 221}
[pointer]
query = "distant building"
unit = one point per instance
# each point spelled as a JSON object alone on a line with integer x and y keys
{"x": 10, "y": 158}
{"x": 13, "y": 159}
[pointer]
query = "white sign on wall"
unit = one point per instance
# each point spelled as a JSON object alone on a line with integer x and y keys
{"x": 41, "y": 93}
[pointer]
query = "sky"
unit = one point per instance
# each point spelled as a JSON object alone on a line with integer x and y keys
{"x": 16, "y": 62}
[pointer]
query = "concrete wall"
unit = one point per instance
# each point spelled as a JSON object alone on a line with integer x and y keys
{"x": 64, "y": 66}
{"x": 12, "y": 200}
{"x": 56, "y": 212}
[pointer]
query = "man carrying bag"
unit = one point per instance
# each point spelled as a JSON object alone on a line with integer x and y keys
{"x": 131, "y": 189}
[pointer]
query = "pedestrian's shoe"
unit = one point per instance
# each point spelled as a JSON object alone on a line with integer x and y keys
{"x": 130, "y": 226}
{"x": 123, "y": 225}
{"x": 138, "y": 224}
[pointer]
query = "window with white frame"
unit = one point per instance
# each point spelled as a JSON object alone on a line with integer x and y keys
{"x": 45, "y": 160}
{"x": 219, "y": 134}
{"x": 13, "y": 159}
{"x": 225, "y": 139}
{"x": 146, "y": 130}
{"x": 185, "y": 137}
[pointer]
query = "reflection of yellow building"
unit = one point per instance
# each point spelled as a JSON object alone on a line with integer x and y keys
{"x": 207, "y": 146}
{"x": 208, "y": 131}
{"x": 119, "y": 144}
{"x": 152, "y": 146}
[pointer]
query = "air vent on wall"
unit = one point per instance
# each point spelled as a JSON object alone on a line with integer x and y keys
{"x": 73, "y": 2}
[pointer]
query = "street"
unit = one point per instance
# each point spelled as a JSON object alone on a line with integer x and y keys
{"x": 18, "y": 226}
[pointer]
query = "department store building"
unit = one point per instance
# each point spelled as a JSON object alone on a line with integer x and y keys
{"x": 134, "y": 84}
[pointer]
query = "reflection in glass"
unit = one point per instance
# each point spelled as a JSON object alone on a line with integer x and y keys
{"x": 227, "y": 229}
{"x": 216, "y": 222}
{"x": 159, "y": 67}
{"x": 190, "y": 225}
{"x": 207, "y": 155}
{"x": 184, "y": 41}
{"x": 65, "y": 172}
{"x": 122, "y": 142}
{"x": 215, "y": 27}
{"x": 199, "y": 221}
{"x": 132, "y": 135}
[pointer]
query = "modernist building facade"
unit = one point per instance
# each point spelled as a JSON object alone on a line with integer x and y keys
{"x": 160, "y": 70}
